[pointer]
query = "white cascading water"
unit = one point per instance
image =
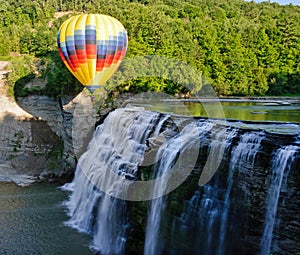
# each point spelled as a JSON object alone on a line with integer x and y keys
{"x": 243, "y": 154}
{"x": 247, "y": 149}
{"x": 282, "y": 162}
{"x": 189, "y": 137}
{"x": 210, "y": 209}
{"x": 192, "y": 136}
{"x": 117, "y": 147}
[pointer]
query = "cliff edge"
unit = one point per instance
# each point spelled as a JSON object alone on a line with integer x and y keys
{"x": 41, "y": 138}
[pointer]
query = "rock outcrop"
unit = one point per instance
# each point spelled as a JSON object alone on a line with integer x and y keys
{"x": 29, "y": 150}
{"x": 42, "y": 138}
{"x": 72, "y": 120}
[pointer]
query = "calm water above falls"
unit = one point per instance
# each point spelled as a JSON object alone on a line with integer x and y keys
{"x": 279, "y": 111}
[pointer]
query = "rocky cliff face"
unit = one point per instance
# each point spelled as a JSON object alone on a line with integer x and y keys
{"x": 50, "y": 111}
{"x": 29, "y": 150}
{"x": 58, "y": 131}
{"x": 42, "y": 138}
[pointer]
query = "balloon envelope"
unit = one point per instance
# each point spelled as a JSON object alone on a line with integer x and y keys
{"x": 92, "y": 46}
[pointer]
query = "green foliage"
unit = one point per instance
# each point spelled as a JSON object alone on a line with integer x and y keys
{"x": 22, "y": 72}
{"x": 239, "y": 47}
{"x": 156, "y": 73}
{"x": 59, "y": 80}
{"x": 17, "y": 143}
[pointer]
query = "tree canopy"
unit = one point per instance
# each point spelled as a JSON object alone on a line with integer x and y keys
{"x": 240, "y": 48}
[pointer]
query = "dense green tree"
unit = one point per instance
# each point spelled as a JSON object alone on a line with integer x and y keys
{"x": 239, "y": 47}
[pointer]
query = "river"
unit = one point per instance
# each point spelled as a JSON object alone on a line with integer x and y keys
{"x": 32, "y": 222}
{"x": 246, "y": 110}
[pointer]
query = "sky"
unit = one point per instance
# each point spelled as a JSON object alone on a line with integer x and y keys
{"x": 294, "y": 2}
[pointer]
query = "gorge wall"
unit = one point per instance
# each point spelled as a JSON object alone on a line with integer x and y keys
{"x": 42, "y": 138}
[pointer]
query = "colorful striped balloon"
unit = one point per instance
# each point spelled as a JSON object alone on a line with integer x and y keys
{"x": 92, "y": 47}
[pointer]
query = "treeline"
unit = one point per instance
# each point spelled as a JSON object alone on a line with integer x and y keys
{"x": 240, "y": 48}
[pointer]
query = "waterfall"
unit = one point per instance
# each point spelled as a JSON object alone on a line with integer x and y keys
{"x": 116, "y": 149}
{"x": 206, "y": 214}
{"x": 243, "y": 154}
{"x": 188, "y": 137}
{"x": 282, "y": 162}
{"x": 247, "y": 149}
{"x": 220, "y": 141}
{"x": 207, "y": 185}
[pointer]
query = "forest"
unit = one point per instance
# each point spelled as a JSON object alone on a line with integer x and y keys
{"x": 240, "y": 48}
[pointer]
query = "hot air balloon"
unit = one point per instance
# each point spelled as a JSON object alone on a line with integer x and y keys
{"x": 92, "y": 46}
